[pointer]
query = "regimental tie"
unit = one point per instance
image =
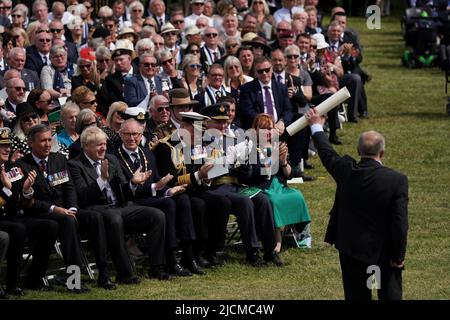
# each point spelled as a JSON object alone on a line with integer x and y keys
{"x": 280, "y": 79}
{"x": 268, "y": 100}
{"x": 218, "y": 95}
{"x": 45, "y": 61}
{"x": 216, "y": 56}
{"x": 43, "y": 165}
{"x": 137, "y": 161}
{"x": 152, "y": 85}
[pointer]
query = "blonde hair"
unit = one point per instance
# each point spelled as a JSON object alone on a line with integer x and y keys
{"x": 118, "y": 106}
{"x": 91, "y": 135}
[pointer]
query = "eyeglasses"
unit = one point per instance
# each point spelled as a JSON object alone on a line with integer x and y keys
{"x": 178, "y": 22}
{"x": 170, "y": 34}
{"x": 166, "y": 62}
{"x": 282, "y": 30}
{"x": 85, "y": 66}
{"x": 56, "y": 30}
{"x": 158, "y": 43}
{"x": 43, "y": 30}
{"x": 292, "y": 56}
{"x": 137, "y": 10}
{"x": 149, "y": 65}
{"x": 195, "y": 51}
{"x": 195, "y": 65}
{"x": 231, "y": 46}
{"x": 131, "y": 134}
{"x": 16, "y": 15}
{"x": 161, "y": 109}
{"x": 29, "y": 118}
{"x": 261, "y": 71}
{"x": 45, "y": 40}
{"x": 92, "y": 102}
{"x": 5, "y": 8}
{"x": 211, "y": 35}
{"x": 46, "y": 101}
{"x": 18, "y": 88}
{"x": 16, "y": 36}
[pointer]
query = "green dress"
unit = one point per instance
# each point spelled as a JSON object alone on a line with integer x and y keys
{"x": 289, "y": 206}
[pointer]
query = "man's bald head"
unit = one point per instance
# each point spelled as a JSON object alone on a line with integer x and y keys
{"x": 371, "y": 144}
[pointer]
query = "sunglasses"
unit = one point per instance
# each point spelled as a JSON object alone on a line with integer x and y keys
{"x": 178, "y": 22}
{"x": 258, "y": 2}
{"x": 166, "y": 62}
{"x": 149, "y": 65}
{"x": 92, "y": 102}
{"x": 158, "y": 43}
{"x": 161, "y": 109}
{"x": 292, "y": 56}
{"x": 261, "y": 71}
{"x": 29, "y": 118}
{"x": 18, "y": 88}
{"x": 314, "y": 47}
{"x": 211, "y": 35}
{"x": 56, "y": 30}
{"x": 137, "y": 10}
{"x": 110, "y": 26}
{"x": 231, "y": 46}
{"x": 195, "y": 51}
{"x": 46, "y": 101}
{"x": 195, "y": 65}
{"x": 5, "y": 8}
{"x": 43, "y": 30}
{"x": 45, "y": 40}
{"x": 85, "y": 66}
{"x": 170, "y": 34}
{"x": 282, "y": 30}
{"x": 16, "y": 15}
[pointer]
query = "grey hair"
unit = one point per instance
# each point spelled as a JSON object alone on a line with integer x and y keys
{"x": 164, "y": 54}
{"x": 136, "y": 4}
{"x": 102, "y": 52}
{"x": 131, "y": 120}
{"x": 189, "y": 59}
{"x": 37, "y": 129}
{"x": 370, "y": 144}
{"x": 145, "y": 42}
{"x": 156, "y": 99}
{"x": 57, "y": 49}
{"x": 292, "y": 47}
{"x": 68, "y": 106}
{"x": 82, "y": 116}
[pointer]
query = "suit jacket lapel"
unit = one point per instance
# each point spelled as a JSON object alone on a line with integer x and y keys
{"x": 90, "y": 170}
{"x": 259, "y": 97}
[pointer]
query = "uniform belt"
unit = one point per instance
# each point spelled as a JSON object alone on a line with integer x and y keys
{"x": 225, "y": 180}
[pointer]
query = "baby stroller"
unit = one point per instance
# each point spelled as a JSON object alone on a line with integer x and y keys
{"x": 420, "y": 31}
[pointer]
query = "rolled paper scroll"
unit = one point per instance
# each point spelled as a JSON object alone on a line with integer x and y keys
{"x": 332, "y": 102}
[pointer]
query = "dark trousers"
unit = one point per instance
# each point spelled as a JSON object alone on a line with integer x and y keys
{"x": 355, "y": 276}
{"x": 133, "y": 219}
{"x": 354, "y": 85}
{"x": 42, "y": 235}
{"x": 216, "y": 219}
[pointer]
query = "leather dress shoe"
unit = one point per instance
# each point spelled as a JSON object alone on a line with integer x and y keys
{"x": 364, "y": 115}
{"x": 353, "y": 120}
{"x": 180, "y": 271}
{"x": 275, "y": 258}
{"x": 159, "y": 273}
{"x": 307, "y": 178}
{"x": 129, "y": 280}
{"x": 213, "y": 259}
{"x": 106, "y": 284}
{"x": 3, "y": 294}
{"x": 18, "y": 292}
{"x": 255, "y": 260}
{"x": 194, "y": 267}
{"x": 335, "y": 140}
{"x": 307, "y": 165}
{"x": 204, "y": 263}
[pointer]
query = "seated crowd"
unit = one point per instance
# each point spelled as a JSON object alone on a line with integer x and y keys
{"x": 112, "y": 123}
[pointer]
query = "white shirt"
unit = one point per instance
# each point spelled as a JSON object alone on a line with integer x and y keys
{"x": 283, "y": 77}
{"x": 192, "y": 20}
{"x": 48, "y": 58}
{"x": 282, "y": 14}
{"x": 275, "y": 115}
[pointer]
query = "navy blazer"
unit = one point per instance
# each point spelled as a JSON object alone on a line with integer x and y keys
{"x": 147, "y": 163}
{"x": 251, "y": 102}
{"x": 34, "y": 61}
{"x": 135, "y": 90}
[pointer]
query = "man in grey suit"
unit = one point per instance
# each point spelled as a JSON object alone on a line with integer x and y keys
{"x": 17, "y": 60}
{"x": 369, "y": 219}
{"x": 140, "y": 85}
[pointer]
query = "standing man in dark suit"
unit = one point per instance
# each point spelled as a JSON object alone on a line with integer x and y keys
{"x": 113, "y": 87}
{"x": 369, "y": 220}
{"x": 140, "y": 85}
{"x": 265, "y": 95}
{"x": 102, "y": 187}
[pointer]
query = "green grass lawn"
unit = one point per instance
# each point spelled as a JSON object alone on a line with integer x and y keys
{"x": 408, "y": 107}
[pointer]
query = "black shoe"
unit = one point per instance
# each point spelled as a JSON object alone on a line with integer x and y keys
{"x": 307, "y": 178}
{"x": 180, "y": 271}
{"x": 18, "y": 292}
{"x": 129, "y": 280}
{"x": 40, "y": 286}
{"x": 335, "y": 140}
{"x": 204, "y": 263}
{"x": 213, "y": 259}
{"x": 353, "y": 120}
{"x": 255, "y": 260}
{"x": 3, "y": 294}
{"x": 273, "y": 257}
{"x": 159, "y": 273}
{"x": 82, "y": 289}
{"x": 194, "y": 267}
{"x": 307, "y": 165}
{"x": 364, "y": 115}
{"x": 106, "y": 284}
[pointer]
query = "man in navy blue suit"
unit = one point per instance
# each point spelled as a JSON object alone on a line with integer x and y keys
{"x": 264, "y": 95}
{"x": 140, "y": 85}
